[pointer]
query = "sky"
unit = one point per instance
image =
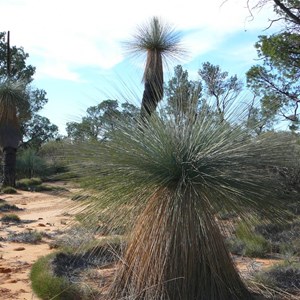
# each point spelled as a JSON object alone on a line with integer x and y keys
{"x": 77, "y": 46}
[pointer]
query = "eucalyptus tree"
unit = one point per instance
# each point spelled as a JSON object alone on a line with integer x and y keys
{"x": 100, "y": 120}
{"x": 276, "y": 81}
{"x": 182, "y": 94}
{"x": 159, "y": 41}
{"x": 218, "y": 85}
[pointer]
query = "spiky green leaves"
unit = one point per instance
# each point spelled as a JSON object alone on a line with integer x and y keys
{"x": 12, "y": 95}
{"x": 169, "y": 178}
{"x": 156, "y": 37}
{"x": 218, "y": 160}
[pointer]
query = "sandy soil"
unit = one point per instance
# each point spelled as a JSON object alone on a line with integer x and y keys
{"x": 49, "y": 213}
{"x": 44, "y": 212}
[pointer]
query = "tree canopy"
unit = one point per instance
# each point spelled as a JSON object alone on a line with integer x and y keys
{"x": 276, "y": 79}
{"x": 100, "y": 120}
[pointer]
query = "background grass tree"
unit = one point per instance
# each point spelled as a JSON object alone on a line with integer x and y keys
{"x": 159, "y": 41}
{"x": 35, "y": 129}
{"x": 12, "y": 94}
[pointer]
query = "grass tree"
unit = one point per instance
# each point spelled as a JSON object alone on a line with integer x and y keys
{"x": 171, "y": 179}
{"x": 12, "y": 94}
{"x": 159, "y": 41}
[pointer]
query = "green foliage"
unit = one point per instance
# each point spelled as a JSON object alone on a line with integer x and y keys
{"x": 276, "y": 82}
{"x": 219, "y": 86}
{"x": 30, "y": 164}
{"x": 33, "y": 127}
{"x": 183, "y": 95}
{"x": 282, "y": 50}
{"x": 46, "y": 285}
{"x": 174, "y": 178}
{"x": 214, "y": 93}
{"x": 12, "y": 96}
{"x": 38, "y": 131}
{"x": 52, "y": 153}
{"x": 27, "y": 183}
{"x": 11, "y": 218}
{"x": 100, "y": 120}
{"x": 64, "y": 275}
{"x": 9, "y": 190}
{"x": 284, "y": 238}
{"x": 254, "y": 245}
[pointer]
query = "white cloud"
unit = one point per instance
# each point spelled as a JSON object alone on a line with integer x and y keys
{"x": 65, "y": 35}
{"x": 57, "y": 70}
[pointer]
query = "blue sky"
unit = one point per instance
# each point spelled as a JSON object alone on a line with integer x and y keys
{"x": 76, "y": 46}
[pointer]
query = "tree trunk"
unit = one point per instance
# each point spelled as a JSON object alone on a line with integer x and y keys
{"x": 177, "y": 252}
{"x": 9, "y": 166}
{"x": 150, "y": 100}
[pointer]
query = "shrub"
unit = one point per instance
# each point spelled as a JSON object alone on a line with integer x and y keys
{"x": 5, "y": 207}
{"x": 254, "y": 245}
{"x": 9, "y": 190}
{"x": 30, "y": 164}
{"x": 52, "y": 153}
{"x": 59, "y": 276}
{"x": 285, "y": 276}
{"x": 285, "y": 238}
{"x": 49, "y": 188}
{"x": 74, "y": 238}
{"x": 235, "y": 246}
{"x": 29, "y": 237}
{"x": 28, "y": 183}
{"x": 11, "y": 218}
{"x": 48, "y": 286}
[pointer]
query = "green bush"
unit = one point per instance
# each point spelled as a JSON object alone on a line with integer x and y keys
{"x": 11, "y": 218}
{"x": 28, "y": 183}
{"x": 284, "y": 238}
{"x": 62, "y": 275}
{"x": 9, "y": 190}
{"x": 235, "y": 246}
{"x": 52, "y": 152}
{"x": 48, "y": 286}
{"x": 254, "y": 245}
{"x": 30, "y": 164}
{"x": 28, "y": 237}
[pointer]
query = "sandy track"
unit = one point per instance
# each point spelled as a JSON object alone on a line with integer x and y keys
{"x": 43, "y": 212}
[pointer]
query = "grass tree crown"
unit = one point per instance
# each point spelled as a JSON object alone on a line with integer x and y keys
{"x": 160, "y": 42}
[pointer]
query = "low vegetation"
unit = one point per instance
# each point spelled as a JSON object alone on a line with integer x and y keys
{"x": 6, "y": 207}
{"x": 284, "y": 277}
{"x": 9, "y": 190}
{"x": 65, "y": 275}
{"x": 11, "y": 218}
{"x": 28, "y": 237}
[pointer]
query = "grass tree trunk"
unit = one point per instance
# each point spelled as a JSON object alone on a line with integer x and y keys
{"x": 177, "y": 252}
{"x": 9, "y": 166}
{"x": 153, "y": 87}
